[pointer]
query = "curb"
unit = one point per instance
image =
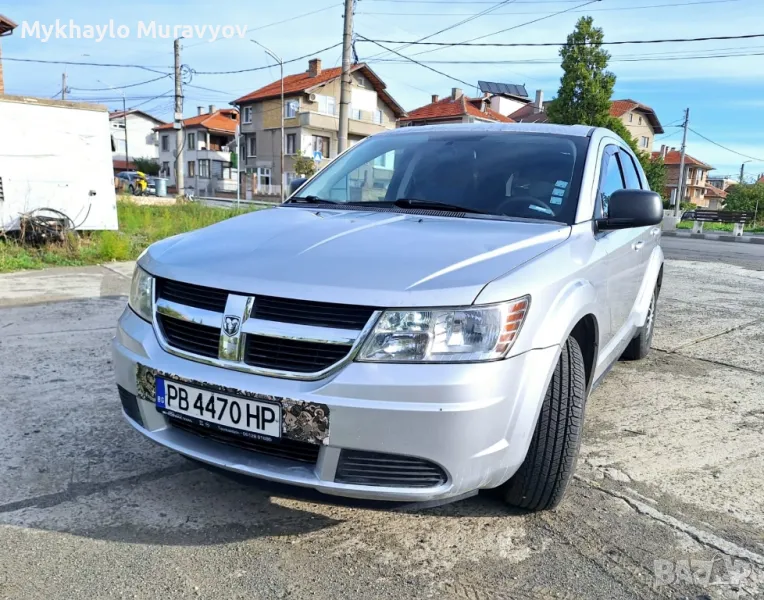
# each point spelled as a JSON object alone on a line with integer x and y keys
{"x": 716, "y": 237}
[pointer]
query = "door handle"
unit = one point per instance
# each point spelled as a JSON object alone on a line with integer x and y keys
{"x": 637, "y": 245}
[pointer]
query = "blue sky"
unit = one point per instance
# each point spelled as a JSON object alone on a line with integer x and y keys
{"x": 725, "y": 95}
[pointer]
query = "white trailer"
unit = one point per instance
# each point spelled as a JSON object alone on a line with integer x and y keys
{"x": 56, "y": 154}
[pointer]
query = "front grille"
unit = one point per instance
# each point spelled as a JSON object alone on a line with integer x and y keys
{"x": 191, "y": 337}
{"x": 283, "y": 448}
{"x": 305, "y": 312}
{"x": 192, "y": 295}
{"x": 130, "y": 405}
{"x": 388, "y": 470}
{"x": 291, "y": 355}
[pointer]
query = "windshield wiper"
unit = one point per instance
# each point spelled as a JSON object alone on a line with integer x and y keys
{"x": 435, "y": 205}
{"x": 309, "y": 200}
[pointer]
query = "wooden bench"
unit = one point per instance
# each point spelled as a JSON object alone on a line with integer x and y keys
{"x": 739, "y": 218}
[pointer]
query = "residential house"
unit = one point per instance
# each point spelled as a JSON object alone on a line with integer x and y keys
{"x": 208, "y": 138}
{"x": 695, "y": 179}
{"x": 311, "y": 121}
{"x": 456, "y": 108}
{"x": 6, "y": 28}
{"x": 721, "y": 183}
{"x": 133, "y": 131}
{"x": 715, "y": 197}
{"x": 506, "y": 98}
{"x": 639, "y": 119}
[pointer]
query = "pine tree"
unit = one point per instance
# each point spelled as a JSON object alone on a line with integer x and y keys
{"x": 586, "y": 85}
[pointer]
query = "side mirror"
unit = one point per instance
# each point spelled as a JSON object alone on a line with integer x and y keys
{"x": 632, "y": 208}
{"x": 295, "y": 184}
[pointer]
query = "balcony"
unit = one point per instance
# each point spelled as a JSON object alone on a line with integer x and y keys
{"x": 361, "y": 127}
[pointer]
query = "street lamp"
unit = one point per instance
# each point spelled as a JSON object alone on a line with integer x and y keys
{"x": 275, "y": 57}
{"x": 124, "y": 120}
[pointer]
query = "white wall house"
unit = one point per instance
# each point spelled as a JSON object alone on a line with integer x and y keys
{"x": 133, "y": 132}
{"x": 208, "y": 139}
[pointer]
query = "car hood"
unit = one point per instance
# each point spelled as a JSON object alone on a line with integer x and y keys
{"x": 354, "y": 257}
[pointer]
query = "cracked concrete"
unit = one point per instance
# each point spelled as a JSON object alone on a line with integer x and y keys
{"x": 671, "y": 468}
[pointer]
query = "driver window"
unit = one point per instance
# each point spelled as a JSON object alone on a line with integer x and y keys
{"x": 610, "y": 181}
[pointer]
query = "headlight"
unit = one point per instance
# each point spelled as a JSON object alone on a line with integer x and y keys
{"x": 469, "y": 334}
{"x": 142, "y": 294}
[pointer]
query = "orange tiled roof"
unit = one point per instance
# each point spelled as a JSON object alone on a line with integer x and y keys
{"x": 673, "y": 157}
{"x": 448, "y": 107}
{"x": 618, "y": 108}
{"x": 6, "y": 25}
{"x": 220, "y": 120}
{"x": 715, "y": 192}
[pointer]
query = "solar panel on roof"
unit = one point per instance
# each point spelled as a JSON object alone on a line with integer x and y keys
{"x": 503, "y": 88}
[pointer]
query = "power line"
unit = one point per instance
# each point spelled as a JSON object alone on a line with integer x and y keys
{"x": 725, "y": 147}
{"x": 84, "y": 64}
{"x": 416, "y": 61}
{"x": 616, "y": 8}
{"x": 469, "y": 1}
{"x": 286, "y": 62}
{"x": 549, "y": 16}
{"x": 120, "y": 87}
{"x": 615, "y": 43}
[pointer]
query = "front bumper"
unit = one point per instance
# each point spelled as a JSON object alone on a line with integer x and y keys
{"x": 474, "y": 420}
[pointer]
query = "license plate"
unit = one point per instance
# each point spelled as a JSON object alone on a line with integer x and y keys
{"x": 223, "y": 410}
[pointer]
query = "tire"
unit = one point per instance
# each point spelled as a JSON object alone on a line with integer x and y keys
{"x": 639, "y": 347}
{"x": 542, "y": 479}
{"x": 131, "y": 189}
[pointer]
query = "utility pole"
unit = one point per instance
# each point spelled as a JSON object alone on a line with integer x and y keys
{"x": 680, "y": 183}
{"x": 742, "y": 171}
{"x": 178, "y": 125}
{"x": 347, "y": 40}
{"x": 124, "y": 119}
{"x": 63, "y": 85}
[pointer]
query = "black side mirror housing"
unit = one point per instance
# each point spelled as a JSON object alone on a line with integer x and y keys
{"x": 295, "y": 184}
{"x": 632, "y": 208}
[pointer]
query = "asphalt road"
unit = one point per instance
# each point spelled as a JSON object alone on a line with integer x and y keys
{"x": 746, "y": 255}
{"x": 669, "y": 487}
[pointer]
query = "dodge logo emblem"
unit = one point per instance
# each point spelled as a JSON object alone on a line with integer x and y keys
{"x": 231, "y": 325}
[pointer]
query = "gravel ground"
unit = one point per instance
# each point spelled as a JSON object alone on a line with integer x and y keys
{"x": 671, "y": 470}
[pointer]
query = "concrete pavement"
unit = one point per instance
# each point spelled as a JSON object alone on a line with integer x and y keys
{"x": 671, "y": 470}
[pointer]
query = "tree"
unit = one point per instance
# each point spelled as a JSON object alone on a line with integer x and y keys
{"x": 586, "y": 85}
{"x": 304, "y": 165}
{"x": 743, "y": 196}
{"x": 146, "y": 165}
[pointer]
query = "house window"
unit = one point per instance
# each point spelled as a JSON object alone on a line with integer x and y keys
{"x": 631, "y": 117}
{"x": 640, "y": 120}
{"x": 321, "y": 144}
{"x": 191, "y": 168}
{"x": 247, "y": 114}
{"x": 362, "y": 82}
{"x": 355, "y": 113}
{"x": 204, "y": 168}
{"x": 191, "y": 141}
{"x": 264, "y": 176}
{"x": 291, "y": 143}
{"x": 291, "y": 108}
{"x": 326, "y": 105}
{"x": 644, "y": 141}
{"x": 252, "y": 150}
{"x": 165, "y": 143}
{"x": 378, "y": 117}
{"x": 166, "y": 168}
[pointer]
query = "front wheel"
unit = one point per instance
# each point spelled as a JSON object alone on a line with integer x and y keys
{"x": 542, "y": 479}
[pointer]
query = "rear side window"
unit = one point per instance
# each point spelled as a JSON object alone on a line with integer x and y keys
{"x": 630, "y": 173}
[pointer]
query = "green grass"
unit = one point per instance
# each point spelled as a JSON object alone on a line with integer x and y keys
{"x": 139, "y": 226}
{"x": 759, "y": 228}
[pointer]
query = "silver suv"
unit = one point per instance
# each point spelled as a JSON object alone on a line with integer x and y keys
{"x": 422, "y": 319}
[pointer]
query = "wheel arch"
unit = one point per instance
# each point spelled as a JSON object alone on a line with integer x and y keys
{"x": 586, "y": 333}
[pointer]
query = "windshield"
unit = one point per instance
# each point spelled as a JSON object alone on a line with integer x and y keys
{"x": 526, "y": 175}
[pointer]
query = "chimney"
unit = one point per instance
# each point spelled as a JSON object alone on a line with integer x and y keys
{"x": 664, "y": 150}
{"x": 314, "y": 67}
{"x": 435, "y": 98}
{"x": 539, "y": 102}
{"x": 213, "y": 108}
{"x": 199, "y": 110}
{"x": 456, "y": 93}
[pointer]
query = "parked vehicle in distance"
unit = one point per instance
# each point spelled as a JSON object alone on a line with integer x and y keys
{"x": 137, "y": 183}
{"x": 424, "y": 318}
{"x": 688, "y": 215}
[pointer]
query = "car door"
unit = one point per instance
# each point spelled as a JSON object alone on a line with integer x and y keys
{"x": 623, "y": 247}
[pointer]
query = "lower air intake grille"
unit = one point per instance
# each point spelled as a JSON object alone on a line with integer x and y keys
{"x": 292, "y": 355}
{"x": 387, "y": 470}
{"x": 284, "y": 448}
{"x": 190, "y": 337}
{"x": 130, "y": 405}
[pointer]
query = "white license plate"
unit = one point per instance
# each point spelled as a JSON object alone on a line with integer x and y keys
{"x": 223, "y": 410}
